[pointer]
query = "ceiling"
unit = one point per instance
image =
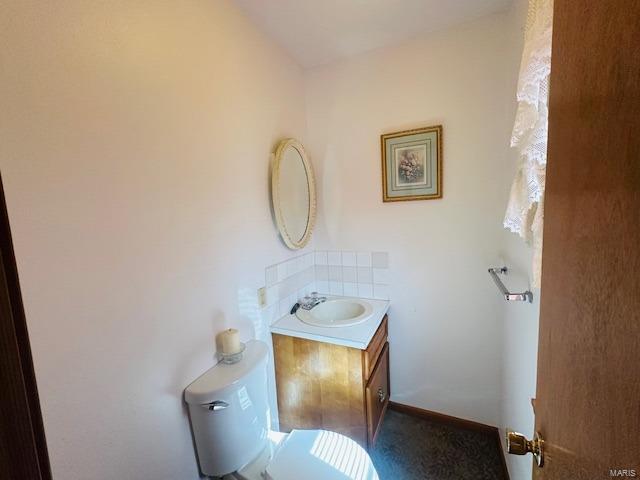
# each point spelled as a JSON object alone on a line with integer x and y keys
{"x": 316, "y": 32}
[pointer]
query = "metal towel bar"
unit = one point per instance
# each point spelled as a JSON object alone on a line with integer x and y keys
{"x": 513, "y": 297}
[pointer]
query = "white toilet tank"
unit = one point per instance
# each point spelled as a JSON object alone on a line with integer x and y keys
{"x": 229, "y": 412}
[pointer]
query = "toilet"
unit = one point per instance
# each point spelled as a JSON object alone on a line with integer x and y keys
{"x": 229, "y": 415}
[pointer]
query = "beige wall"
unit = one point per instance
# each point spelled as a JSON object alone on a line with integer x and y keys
{"x": 134, "y": 149}
{"x": 445, "y": 325}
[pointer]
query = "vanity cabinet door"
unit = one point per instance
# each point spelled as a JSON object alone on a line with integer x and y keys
{"x": 372, "y": 353}
{"x": 377, "y": 395}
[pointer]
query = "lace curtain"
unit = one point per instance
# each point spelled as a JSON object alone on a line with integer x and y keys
{"x": 525, "y": 210}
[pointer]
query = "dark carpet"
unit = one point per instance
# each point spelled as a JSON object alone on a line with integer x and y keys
{"x": 411, "y": 448}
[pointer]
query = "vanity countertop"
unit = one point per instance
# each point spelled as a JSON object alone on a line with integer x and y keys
{"x": 355, "y": 336}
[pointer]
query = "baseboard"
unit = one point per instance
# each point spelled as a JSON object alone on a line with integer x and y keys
{"x": 456, "y": 422}
{"x": 503, "y": 460}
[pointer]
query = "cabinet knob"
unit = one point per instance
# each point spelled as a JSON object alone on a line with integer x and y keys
{"x": 381, "y": 395}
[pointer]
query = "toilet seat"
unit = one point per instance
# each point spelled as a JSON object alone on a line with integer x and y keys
{"x": 320, "y": 455}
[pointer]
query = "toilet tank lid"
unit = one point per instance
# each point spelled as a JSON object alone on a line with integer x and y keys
{"x": 222, "y": 376}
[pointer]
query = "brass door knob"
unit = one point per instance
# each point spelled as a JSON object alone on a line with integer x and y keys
{"x": 517, "y": 444}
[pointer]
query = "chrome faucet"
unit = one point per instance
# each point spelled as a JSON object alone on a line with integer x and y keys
{"x": 308, "y": 302}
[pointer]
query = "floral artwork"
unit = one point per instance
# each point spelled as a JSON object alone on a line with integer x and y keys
{"x": 412, "y": 164}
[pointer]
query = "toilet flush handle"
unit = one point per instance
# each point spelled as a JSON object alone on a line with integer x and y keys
{"x": 215, "y": 405}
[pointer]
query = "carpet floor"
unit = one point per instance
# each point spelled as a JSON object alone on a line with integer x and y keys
{"x": 410, "y": 448}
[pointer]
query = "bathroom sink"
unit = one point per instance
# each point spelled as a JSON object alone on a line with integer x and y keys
{"x": 337, "y": 312}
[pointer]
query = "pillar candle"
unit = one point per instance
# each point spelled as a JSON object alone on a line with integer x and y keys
{"x": 230, "y": 341}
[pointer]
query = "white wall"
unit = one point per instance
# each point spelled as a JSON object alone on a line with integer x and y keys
{"x": 446, "y": 321}
{"x": 520, "y": 335}
{"x": 520, "y": 354}
{"x": 134, "y": 149}
{"x": 134, "y": 152}
{"x": 459, "y": 349}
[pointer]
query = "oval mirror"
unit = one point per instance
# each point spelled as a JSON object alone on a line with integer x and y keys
{"x": 293, "y": 193}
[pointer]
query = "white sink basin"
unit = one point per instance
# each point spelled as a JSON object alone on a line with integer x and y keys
{"x": 337, "y": 312}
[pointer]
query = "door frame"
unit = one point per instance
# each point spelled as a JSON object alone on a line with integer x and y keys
{"x": 24, "y": 454}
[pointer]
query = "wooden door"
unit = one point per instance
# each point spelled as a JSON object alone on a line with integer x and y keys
{"x": 588, "y": 393}
{"x": 23, "y": 449}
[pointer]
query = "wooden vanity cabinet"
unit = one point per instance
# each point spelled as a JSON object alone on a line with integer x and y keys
{"x": 332, "y": 387}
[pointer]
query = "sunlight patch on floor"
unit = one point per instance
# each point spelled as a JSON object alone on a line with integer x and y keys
{"x": 344, "y": 455}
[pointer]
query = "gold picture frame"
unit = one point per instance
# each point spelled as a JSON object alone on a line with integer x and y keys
{"x": 409, "y": 169}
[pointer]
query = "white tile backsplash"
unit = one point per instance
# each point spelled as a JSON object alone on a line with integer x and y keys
{"x": 292, "y": 299}
{"x": 348, "y": 273}
{"x": 271, "y": 275}
{"x": 270, "y": 314}
{"x": 322, "y": 272}
{"x": 312, "y": 287}
{"x": 273, "y": 294}
{"x": 282, "y": 271}
{"x": 349, "y": 259}
{"x": 335, "y": 288}
{"x": 335, "y": 273}
{"x": 291, "y": 267}
{"x": 309, "y": 260}
{"x": 323, "y": 286}
{"x": 381, "y": 292}
{"x": 365, "y": 275}
{"x": 321, "y": 258}
{"x": 365, "y": 290}
{"x": 334, "y": 258}
{"x": 284, "y": 307}
{"x": 288, "y": 281}
{"x": 381, "y": 276}
{"x": 350, "y": 289}
{"x": 380, "y": 260}
{"x": 363, "y": 259}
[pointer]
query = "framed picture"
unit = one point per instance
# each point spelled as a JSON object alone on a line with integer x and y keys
{"x": 412, "y": 164}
